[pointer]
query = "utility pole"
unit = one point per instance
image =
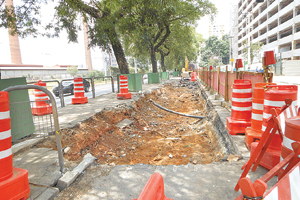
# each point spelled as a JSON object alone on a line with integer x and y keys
{"x": 135, "y": 68}
{"x": 249, "y": 57}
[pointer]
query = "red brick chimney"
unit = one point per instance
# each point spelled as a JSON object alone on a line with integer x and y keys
{"x": 15, "y": 52}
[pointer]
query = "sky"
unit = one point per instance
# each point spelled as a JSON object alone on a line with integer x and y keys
{"x": 49, "y": 52}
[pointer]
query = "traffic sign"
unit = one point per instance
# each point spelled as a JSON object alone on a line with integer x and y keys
{"x": 231, "y": 59}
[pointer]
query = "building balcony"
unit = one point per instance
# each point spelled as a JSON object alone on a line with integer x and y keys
{"x": 286, "y": 9}
{"x": 287, "y": 54}
{"x": 296, "y": 52}
{"x": 285, "y": 40}
{"x": 273, "y": 18}
{"x": 272, "y": 6}
{"x": 286, "y": 25}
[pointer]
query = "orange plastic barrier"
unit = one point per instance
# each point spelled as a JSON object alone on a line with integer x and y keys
{"x": 260, "y": 152}
{"x": 124, "y": 94}
{"x": 275, "y": 97}
{"x": 241, "y": 107}
{"x": 14, "y": 183}
{"x": 254, "y": 132}
{"x": 154, "y": 189}
{"x": 287, "y": 187}
{"x": 291, "y": 133}
{"x": 79, "y": 97}
{"x": 193, "y": 76}
{"x": 41, "y": 107}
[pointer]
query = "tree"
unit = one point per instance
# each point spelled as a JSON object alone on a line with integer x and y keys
{"x": 152, "y": 23}
{"x": 72, "y": 70}
{"x": 255, "y": 49}
{"x": 95, "y": 73}
{"x": 215, "y": 48}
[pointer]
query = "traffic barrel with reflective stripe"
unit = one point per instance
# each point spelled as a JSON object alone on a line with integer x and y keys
{"x": 291, "y": 135}
{"x": 254, "y": 132}
{"x": 79, "y": 97}
{"x": 241, "y": 107}
{"x": 193, "y": 76}
{"x": 6, "y": 169}
{"x": 13, "y": 181}
{"x": 41, "y": 107}
{"x": 123, "y": 83}
{"x": 275, "y": 98}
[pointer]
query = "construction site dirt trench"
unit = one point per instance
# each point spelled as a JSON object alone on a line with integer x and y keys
{"x": 155, "y": 136}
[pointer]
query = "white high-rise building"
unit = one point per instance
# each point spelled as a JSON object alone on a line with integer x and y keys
{"x": 275, "y": 23}
{"x": 216, "y": 30}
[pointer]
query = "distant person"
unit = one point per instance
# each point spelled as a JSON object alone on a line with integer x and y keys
{"x": 256, "y": 69}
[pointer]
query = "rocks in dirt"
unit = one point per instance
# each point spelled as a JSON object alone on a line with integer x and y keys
{"x": 170, "y": 156}
{"x": 124, "y": 123}
{"x": 160, "y": 116}
{"x": 66, "y": 150}
{"x": 132, "y": 148}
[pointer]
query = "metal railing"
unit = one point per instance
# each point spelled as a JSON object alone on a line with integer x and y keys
{"x": 60, "y": 86}
{"x": 55, "y": 116}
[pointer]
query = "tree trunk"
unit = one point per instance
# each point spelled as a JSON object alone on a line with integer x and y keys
{"x": 153, "y": 60}
{"x": 162, "y": 61}
{"x": 118, "y": 50}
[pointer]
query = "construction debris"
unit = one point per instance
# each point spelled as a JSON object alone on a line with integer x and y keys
{"x": 144, "y": 133}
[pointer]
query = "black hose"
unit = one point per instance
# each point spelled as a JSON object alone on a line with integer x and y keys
{"x": 198, "y": 117}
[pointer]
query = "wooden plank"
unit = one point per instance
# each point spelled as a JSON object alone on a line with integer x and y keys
{"x": 218, "y": 75}
{"x": 226, "y": 84}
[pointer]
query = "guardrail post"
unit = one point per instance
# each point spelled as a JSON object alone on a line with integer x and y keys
{"x": 93, "y": 87}
{"x": 61, "y": 94}
{"x": 226, "y": 84}
{"x": 112, "y": 84}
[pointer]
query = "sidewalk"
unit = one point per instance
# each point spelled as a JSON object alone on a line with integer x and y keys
{"x": 211, "y": 181}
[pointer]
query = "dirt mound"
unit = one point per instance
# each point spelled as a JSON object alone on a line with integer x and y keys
{"x": 155, "y": 137}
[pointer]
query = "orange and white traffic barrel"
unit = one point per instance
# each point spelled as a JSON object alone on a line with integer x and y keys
{"x": 79, "y": 97}
{"x": 41, "y": 107}
{"x": 13, "y": 181}
{"x": 193, "y": 76}
{"x": 291, "y": 135}
{"x": 254, "y": 132}
{"x": 5, "y": 138}
{"x": 241, "y": 107}
{"x": 275, "y": 98}
{"x": 123, "y": 83}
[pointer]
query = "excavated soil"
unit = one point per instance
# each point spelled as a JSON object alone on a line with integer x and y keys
{"x": 156, "y": 137}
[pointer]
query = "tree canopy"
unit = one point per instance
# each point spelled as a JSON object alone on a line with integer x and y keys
{"x": 143, "y": 27}
{"x": 215, "y": 52}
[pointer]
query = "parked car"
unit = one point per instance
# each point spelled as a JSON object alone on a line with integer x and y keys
{"x": 68, "y": 87}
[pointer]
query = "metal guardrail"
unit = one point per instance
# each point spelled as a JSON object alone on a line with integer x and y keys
{"x": 55, "y": 116}
{"x": 60, "y": 86}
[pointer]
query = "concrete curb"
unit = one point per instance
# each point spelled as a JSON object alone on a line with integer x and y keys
{"x": 222, "y": 132}
{"x": 69, "y": 177}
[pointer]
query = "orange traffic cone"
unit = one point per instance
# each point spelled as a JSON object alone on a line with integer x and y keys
{"x": 14, "y": 183}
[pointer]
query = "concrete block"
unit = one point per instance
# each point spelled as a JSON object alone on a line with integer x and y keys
{"x": 124, "y": 123}
{"x": 69, "y": 177}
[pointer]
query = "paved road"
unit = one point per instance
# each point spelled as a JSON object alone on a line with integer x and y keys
{"x": 99, "y": 90}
